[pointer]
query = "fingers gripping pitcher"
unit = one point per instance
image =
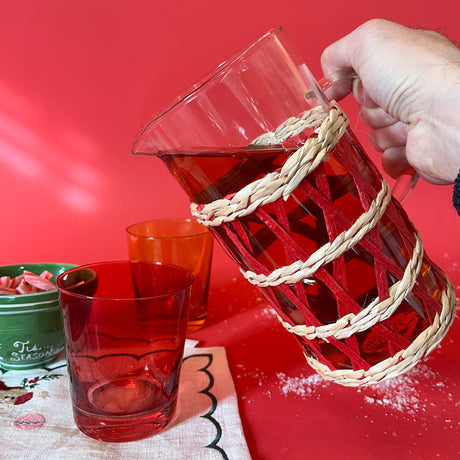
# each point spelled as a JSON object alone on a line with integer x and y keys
{"x": 274, "y": 172}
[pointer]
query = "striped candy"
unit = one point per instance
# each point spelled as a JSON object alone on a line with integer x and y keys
{"x": 27, "y": 283}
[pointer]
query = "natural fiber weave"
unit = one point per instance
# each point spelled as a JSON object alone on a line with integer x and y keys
{"x": 303, "y": 271}
{"x": 280, "y": 184}
{"x": 402, "y": 361}
{"x": 375, "y": 312}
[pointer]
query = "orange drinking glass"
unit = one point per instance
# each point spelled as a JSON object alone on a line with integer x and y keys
{"x": 181, "y": 242}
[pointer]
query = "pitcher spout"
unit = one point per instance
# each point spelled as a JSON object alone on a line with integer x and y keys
{"x": 147, "y": 141}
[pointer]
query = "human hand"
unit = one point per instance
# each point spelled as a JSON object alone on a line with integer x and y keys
{"x": 408, "y": 91}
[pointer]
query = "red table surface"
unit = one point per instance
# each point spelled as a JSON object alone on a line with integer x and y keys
{"x": 288, "y": 412}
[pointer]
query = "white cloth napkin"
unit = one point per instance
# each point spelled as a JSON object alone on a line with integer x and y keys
{"x": 40, "y": 425}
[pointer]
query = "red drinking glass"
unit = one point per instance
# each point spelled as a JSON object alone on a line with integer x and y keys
{"x": 125, "y": 325}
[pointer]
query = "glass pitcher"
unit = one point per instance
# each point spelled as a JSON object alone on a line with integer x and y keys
{"x": 276, "y": 174}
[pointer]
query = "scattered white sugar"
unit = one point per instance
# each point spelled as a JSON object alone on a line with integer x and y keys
{"x": 401, "y": 394}
{"x": 404, "y": 399}
{"x": 254, "y": 373}
{"x": 265, "y": 313}
{"x": 301, "y": 386}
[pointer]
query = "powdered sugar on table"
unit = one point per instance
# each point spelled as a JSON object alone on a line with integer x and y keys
{"x": 401, "y": 394}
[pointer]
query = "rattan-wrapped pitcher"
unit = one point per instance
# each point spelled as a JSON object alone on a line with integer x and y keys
{"x": 276, "y": 174}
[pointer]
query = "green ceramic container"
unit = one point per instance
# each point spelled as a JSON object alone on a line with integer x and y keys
{"x": 31, "y": 329}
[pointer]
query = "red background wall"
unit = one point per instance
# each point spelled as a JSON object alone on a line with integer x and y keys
{"x": 77, "y": 79}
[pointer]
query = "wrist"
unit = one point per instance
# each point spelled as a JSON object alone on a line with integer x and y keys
{"x": 456, "y": 194}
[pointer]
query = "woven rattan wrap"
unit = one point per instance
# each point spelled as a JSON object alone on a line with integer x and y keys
{"x": 303, "y": 271}
{"x": 280, "y": 184}
{"x": 376, "y": 311}
{"x": 402, "y": 361}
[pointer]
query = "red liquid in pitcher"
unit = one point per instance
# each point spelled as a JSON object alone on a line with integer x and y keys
{"x": 210, "y": 175}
